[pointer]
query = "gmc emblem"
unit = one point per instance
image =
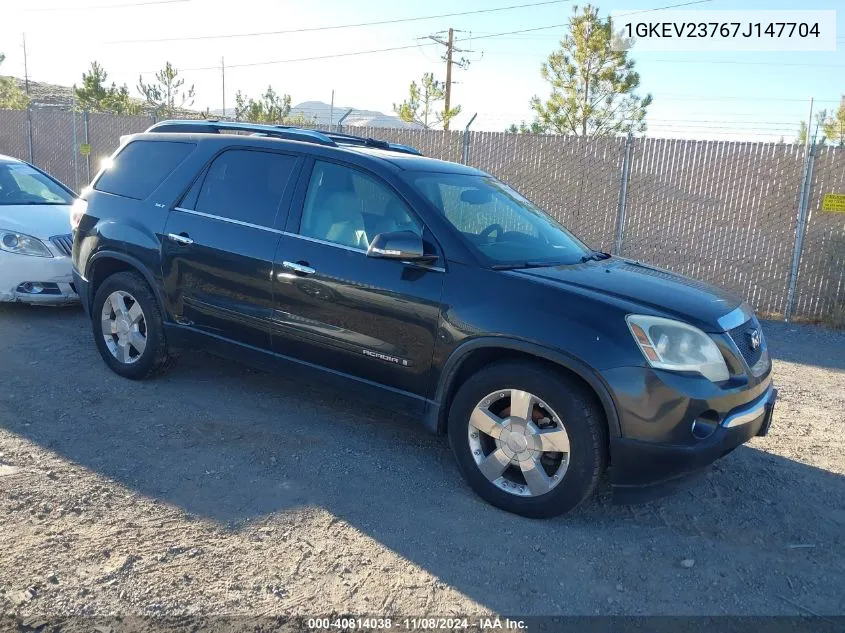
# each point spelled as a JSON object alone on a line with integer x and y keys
{"x": 754, "y": 339}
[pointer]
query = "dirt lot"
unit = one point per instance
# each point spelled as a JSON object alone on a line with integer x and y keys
{"x": 216, "y": 489}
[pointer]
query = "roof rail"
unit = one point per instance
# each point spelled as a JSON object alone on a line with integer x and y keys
{"x": 349, "y": 139}
{"x": 215, "y": 126}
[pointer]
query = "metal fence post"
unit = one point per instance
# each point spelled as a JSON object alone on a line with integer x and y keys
{"x": 74, "y": 149}
{"x": 88, "y": 155}
{"x": 342, "y": 119}
{"x": 803, "y": 210}
{"x": 465, "y": 153}
{"x": 623, "y": 194}
{"x": 29, "y": 133}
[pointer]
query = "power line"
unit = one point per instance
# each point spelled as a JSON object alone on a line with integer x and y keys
{"x": 726, "y": 122}
{"x": 538, "y": 28}
{"x": 107, "y": 6}
{"x": 300, "y": 59}
{"x": 671, "y": 6}
{"x": 641, "y": 61}
{"x": 738, "y": 98}
{"x": 739, "y": 63}
{"x": 347, "y": 54}
{"x": 312, "y": 29}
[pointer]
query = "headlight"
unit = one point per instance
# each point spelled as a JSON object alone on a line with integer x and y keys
{"x": 77, "y": 210}
{"x": 677, "y": 346}
{"x": 21, "y": 244}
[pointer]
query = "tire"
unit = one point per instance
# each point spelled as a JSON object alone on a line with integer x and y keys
{"x": 574, "y": 410}
{"x": 127, "y": 289}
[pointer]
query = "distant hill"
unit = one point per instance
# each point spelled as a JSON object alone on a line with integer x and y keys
{"x": 325, "y": 115}
{"x": 54, "y": 95}
{"x": 48, "y": 94}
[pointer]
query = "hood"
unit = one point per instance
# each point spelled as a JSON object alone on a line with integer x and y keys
{"x": 659, "y": 291}
{"x": 38, "y": 220}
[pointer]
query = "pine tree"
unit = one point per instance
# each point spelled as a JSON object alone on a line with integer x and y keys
{"x": 166, "y": 96}
{"x": 593, "y": 83}
{"x": 421, "y": 105}
{"x": 11, "y": 96}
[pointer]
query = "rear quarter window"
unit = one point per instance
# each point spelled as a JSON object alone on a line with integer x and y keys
{"x": 141, "y": 167}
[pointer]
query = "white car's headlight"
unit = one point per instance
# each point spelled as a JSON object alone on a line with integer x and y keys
{"x": 677, "y": 346}
{"x": 21, "y": 244}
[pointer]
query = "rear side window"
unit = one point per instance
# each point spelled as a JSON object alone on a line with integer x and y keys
{"x": 141, "y": 167}
{"x": 246, "y": 185}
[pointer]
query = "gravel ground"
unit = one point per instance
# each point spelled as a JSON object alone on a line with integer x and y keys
{"x": 216, "y": 489}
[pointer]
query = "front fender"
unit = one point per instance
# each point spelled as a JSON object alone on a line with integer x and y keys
{"x": 437, "y": 409}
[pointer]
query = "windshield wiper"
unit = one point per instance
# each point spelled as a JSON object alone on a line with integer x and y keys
{"x": 595, "y": 255}
{"x": 31, "y": 203}
{"x": 528, "y": 264}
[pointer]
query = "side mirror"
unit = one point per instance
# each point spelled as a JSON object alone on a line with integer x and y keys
{"x": 402, "y": 245}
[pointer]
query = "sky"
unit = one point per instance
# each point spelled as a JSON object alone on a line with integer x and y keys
{"x": 710, "y": 95}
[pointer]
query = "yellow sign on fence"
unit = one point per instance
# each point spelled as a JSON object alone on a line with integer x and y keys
{"x": 834, "y": 202}
{"x": 85, "y": 149}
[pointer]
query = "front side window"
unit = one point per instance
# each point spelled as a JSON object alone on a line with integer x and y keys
{"x": 246, "y": 185}
{"x": 497, "y": 221}
{"x": 20, "y": 184}
{"x": 348, "y": 207}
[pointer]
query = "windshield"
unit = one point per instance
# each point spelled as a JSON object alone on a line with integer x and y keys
{"x": 21, "y": 184}
{"x": 498, "y": 222}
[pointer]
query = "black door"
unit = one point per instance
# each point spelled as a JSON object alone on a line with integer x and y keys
{"x": 371, "y": 318}
{"x": 220, "y": 241}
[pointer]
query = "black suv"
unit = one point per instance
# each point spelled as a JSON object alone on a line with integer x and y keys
{"x": 426, "y": 283}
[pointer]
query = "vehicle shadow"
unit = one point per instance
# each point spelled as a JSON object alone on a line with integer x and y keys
{"x": 233, "y": 445}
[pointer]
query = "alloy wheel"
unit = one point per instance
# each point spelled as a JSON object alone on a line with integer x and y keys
{"x": 124, "y": 327}
{"x": 518, "y": 442}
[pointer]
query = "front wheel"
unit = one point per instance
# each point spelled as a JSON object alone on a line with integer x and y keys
{"x": 128, "y": 327}
{"x": 528, "y": 440}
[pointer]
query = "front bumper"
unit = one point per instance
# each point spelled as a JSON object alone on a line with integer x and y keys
{"x": 17, "y": 270}
{"x": 82, "y": 288}
{"x": 674, "y": 426}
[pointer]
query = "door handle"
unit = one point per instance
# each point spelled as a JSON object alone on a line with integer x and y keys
{"x": 180, "y": 239}
{"x": 299, "y": 268}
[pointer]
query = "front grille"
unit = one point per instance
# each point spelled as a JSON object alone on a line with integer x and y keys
{"x": 742, "y": 335}
{"x": 64, "y": 243}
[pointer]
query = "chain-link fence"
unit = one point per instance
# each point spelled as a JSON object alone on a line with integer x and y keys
{"x": 728, "y": 213}
{"x": 68, "y": 145}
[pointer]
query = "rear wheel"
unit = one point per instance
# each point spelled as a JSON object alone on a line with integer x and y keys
{"x": 527, "y": 440}
{"x": 128, "y": 327}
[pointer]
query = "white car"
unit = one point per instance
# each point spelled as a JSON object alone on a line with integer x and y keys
{"x": 35, "y": 240}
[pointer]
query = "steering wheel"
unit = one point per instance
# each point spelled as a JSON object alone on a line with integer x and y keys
{"x": 498, "y": 228}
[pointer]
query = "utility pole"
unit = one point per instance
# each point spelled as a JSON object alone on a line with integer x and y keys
{"x": 841, "y": 116}
{"x": 223, "y": 74}
{"x": 449, "y": 43}
{"x": 449, "y": 47}
{"x": 809, "y": 128}
{"x": 25, "y": 68}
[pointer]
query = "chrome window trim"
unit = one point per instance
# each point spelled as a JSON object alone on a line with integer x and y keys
{"x": 736, "y": 317}
{"x": 325, "y": 242}
{"x": 434, "y": 269}
{"x": 211, "y": 216}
